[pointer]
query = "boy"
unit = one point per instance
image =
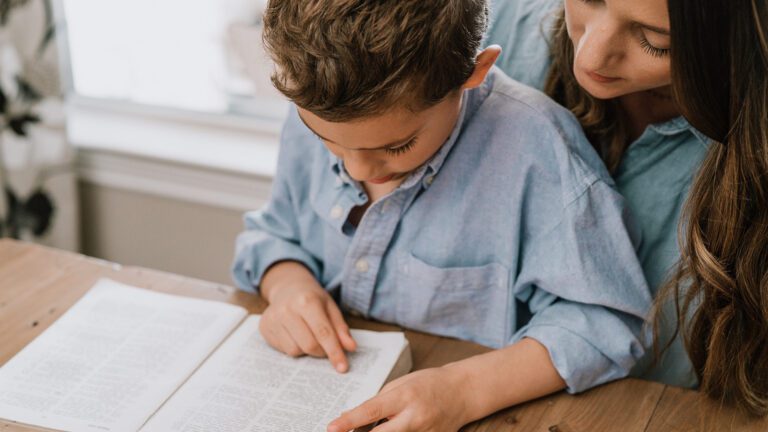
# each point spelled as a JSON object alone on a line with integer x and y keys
{"x": 418, "y": 185}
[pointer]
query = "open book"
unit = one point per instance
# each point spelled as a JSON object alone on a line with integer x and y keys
{"x": 124, "y": 359}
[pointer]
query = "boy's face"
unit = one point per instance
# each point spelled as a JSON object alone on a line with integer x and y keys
{"x": 384, "y": 149}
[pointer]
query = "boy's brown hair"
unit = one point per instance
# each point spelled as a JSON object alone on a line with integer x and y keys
{"x": 347, "y": 59}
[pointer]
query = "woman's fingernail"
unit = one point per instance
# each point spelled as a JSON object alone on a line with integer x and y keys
{"x": 341, "y": 367}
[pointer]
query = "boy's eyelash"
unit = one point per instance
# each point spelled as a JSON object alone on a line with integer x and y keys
{"x": 652, "y": 50}
{"x": 401, "y": 149}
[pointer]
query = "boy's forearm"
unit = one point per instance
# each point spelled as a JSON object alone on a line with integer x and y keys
{"x": 282, "y": 274}
{"x": 505, "y": 377}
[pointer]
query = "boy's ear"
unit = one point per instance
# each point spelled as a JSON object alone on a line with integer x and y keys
{"x": 483, "y": 64}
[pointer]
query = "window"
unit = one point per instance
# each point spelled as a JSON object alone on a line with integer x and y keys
{"x": 204, "y": 56}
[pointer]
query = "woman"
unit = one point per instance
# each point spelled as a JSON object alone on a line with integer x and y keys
{"x": 615, "y": 64}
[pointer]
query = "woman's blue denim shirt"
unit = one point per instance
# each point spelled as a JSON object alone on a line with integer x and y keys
{"x": 513, "y": 229}
{"x": 654, "y": 176}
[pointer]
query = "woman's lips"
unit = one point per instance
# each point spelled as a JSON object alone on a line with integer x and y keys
{"x": 602, "y": 78}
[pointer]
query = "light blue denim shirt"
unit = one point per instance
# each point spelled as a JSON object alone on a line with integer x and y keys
{"x": 654, "y": 176}
{"x": 513, "y": 229}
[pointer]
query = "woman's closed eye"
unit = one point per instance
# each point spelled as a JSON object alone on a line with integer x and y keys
{"x": 652, "y": 50}
{"x": 649, "y": 47}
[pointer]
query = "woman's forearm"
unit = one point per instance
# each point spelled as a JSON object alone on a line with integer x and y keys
{"x": 505, "y": 377}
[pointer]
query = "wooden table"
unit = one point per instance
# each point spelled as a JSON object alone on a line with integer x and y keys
{"x": 38, "y": 284}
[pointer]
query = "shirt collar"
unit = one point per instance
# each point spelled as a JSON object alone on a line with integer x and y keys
{"x": 676, "y": 126}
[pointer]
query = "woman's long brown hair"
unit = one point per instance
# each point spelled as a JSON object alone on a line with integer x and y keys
{"x": 720, "y": 77}
{"x": 720, "y": 287}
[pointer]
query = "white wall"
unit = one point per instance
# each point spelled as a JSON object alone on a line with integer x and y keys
{"x": 171, "y": 235}
{"x": 168, "y": 193}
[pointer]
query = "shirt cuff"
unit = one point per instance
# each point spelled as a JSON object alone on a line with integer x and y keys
{"x": 256, "y": 253}
{"x": 581, "y": 365}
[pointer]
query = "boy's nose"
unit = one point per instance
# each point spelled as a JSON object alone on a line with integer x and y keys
{"x": 361, "y": 167}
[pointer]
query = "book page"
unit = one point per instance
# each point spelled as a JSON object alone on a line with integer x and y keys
{"x": 111, "y": 360}
{"x": 247, "y": 386}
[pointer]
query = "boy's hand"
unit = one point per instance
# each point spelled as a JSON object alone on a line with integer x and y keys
{"x": 302, "y": 318}
{"x": 430, "y": 400}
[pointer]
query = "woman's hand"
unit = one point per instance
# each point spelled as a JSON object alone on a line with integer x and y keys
{"x": 430, "y": 400}
{"x": 302, "y": 318}
{"x": 446, "y": 398}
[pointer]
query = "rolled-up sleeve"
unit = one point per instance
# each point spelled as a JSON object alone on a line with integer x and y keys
{"x": 583, "y": 356}
{"x": 585, "y": 288}
{"x": 273, "y": 234}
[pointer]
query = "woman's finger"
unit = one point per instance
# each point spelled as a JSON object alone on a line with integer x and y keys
{"x": 397, "y": 424}
{"x": 371, "y": 411}
{"x": 405, "y": 379}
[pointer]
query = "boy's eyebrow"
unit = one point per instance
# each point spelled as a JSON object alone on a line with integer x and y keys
{"x": 392, "y": 144}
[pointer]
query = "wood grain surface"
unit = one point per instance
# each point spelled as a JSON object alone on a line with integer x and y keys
{"x": 37, "y": 285}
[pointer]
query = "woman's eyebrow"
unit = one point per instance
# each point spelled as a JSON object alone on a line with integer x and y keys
{"x": 654, "y": 29}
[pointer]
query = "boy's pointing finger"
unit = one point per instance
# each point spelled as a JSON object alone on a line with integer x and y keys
{"x": 326, "y": 336}
{"x": 342, "y": 329}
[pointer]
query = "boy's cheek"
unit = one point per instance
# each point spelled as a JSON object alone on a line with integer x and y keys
{"x": 420, "y": 155}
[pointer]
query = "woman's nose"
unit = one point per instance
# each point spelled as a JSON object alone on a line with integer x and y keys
{"x": 601, "y": 47}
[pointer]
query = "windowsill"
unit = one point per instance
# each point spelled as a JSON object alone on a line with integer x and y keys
{"x": 219, "y": 161}
{"x": 231, "y": 144}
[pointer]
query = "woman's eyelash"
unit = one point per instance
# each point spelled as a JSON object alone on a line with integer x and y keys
{"x": 652, "y": 50}
{"x": 401, "y": 149}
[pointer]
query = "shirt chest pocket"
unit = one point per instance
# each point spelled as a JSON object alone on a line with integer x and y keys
{"x": 468, "y": 303}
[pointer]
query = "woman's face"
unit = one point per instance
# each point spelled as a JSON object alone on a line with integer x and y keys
{"x": 621, "y": 46}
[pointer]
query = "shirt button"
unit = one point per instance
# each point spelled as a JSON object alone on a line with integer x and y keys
{"x": 337, "y": 212}
{"x": 430, "y": 180}
{"x": 361, "y": 266}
